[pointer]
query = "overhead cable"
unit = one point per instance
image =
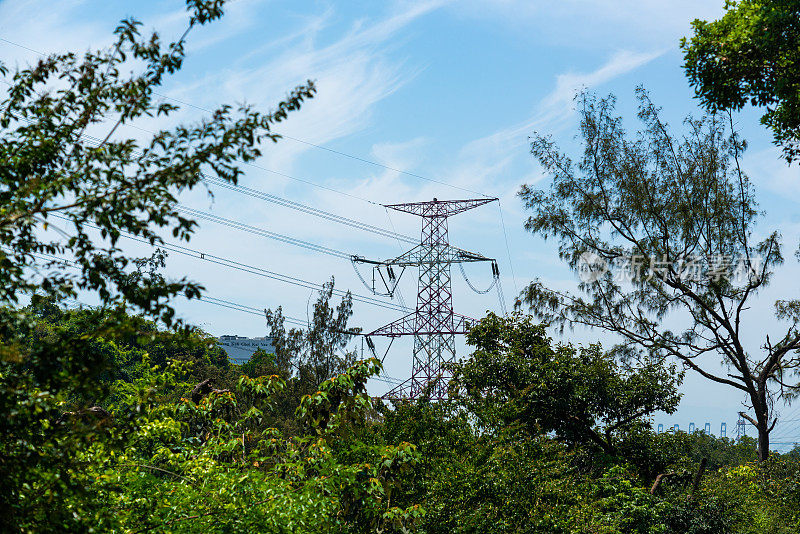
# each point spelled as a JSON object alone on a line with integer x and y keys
{"x": 308, "y": 209}
{"x": 275, "y": 199}
{"x": 233, "y": 264}
{"x": 298, "y": 140}
{"x": 205, "y": 298}
{"x": 472, "y": 287}
{"x": 263, "y": 233}
{"x": 222, "y": 303}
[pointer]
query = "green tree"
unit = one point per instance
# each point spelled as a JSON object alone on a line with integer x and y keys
{"x": 505, "y": 452}
{"x": 681, "y": 452}
{"x": 51, "y": 168}
{"x": 660, "y": 228}
{"x": 517, "y": 378}
{"x": 187, "y": 466}
{"x": 316, "y": 353}
{"x": 111, "y": 441}
{"x": 490, "y": 482}
{"x": 751, "y": 54}
{"x": 47, "y": 390}
{"x": 66, "y": 193}
{"x": 140, "y": 345}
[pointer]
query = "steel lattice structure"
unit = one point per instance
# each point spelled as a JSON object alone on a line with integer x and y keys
{"x": 433, "y": 323}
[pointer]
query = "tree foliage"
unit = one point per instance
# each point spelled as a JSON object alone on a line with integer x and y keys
{"x": 65, "y": 168}
{"x": 482, "y": 469}
{"x": 664, "y": 224}
{"x": 516, "y": 377}
{"x": 133, "y": 446}
{"x": 120, "y": 419}
{"x": 751, "y": 55}
{"x": 148, "y": 459}
{"x": 317, "y": 352}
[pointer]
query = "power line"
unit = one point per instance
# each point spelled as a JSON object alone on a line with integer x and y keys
{"x": 233, "y": 264}
{"x": 315, "y": 211}
{"x": 264, "y": 233}
{"x": 247, "y": 309}
{"x": 308, "y": 182}
{"x": 400, "y": 248}
{"x": 343, "y": 154}
{"x": 22, "y": 46}
{"x": 371, "y": 162}
{"x": 305, "y": 209}
{"x": 281, "y": 237}
{"x": 261, "y": 312}
{"x": 211, "y": 258}
{"x": 308, "y": 143}
{"x": 205, "y": 298}
{"x": 790, "y": 430}
{"x": 508, "y": 248}
{"x": 249, "y": 164}
{"x": 275, "y": 199}
{"x": 309, "y": 209}
{"x": 224, "y": 304}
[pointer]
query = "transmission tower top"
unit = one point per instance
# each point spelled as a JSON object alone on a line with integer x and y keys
{"x": 433, "y": 323}
{"x": 440, "y": 208}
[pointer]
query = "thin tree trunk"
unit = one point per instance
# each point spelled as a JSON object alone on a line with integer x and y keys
{"x": 761, "y": 421}
{"x": 763, "y": 441}
{"x": 763, "y": 426}
{"x": 698, "y": 476}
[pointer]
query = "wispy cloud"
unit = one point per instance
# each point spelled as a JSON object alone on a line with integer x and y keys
{"x": 47, "y": 27}
{"x": 488, "y": 156}
{"x": 596, "y": 23}
{"x": 557, "y": 106}
{"x": 486, "y": 163}
{"x": 353, "y": 73}
{"x": 555, "y": 109}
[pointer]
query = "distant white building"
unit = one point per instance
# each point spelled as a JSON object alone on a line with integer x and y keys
{"x": 240, "y": 349}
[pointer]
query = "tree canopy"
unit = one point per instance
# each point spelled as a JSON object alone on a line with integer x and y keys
{"x": 70, "y": 185}
{"x": 121, "y": 418}
{"x": 583, "y": 395}
{"x": 659, "y": 228}
{"x": 751, "y": 55}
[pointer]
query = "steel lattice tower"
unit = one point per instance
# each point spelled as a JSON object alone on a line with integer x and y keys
{"x": 433, "y": 323}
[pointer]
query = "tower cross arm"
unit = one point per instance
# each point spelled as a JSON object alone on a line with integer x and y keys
{"x": 440, "y": 208}
{"x": 407, "y": 326}
{"x": 421, "y": 255}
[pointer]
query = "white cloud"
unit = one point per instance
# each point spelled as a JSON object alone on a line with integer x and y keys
{"x": 399, "y": 154}
{"x": 555, "y": 109}
{"x": 353, "y": 73}
{"x": 47, "y": 28}
{"x": 238, "y": 18}
{"x": 557, "y": 105}
{"x": 347, "y": 92}
{"x": 487, "y": 157}
{"x": 593, "y": 24}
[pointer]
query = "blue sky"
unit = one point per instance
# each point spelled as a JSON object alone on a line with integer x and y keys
{"x": 447, "y": 90}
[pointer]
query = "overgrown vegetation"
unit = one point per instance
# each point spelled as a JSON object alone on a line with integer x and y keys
{"x": 145, "y": 429}
{"x": 751, "y": 55}
{"x": 120, "y": 418}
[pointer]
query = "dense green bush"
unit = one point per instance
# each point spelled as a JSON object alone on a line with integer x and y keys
{"x": 105, "y": 436}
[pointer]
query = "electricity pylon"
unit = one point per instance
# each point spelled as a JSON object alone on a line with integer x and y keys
{"x": 741, "y": 428}
{"x": 433, "y": 323}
